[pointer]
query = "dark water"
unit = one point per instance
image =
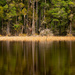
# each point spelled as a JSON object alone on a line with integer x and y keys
{"x": 37, "y": 58}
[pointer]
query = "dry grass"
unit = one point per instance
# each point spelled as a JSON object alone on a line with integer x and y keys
{"x": 37, "y": 38}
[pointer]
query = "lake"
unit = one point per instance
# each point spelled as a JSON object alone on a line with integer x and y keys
{"x": 37, "y": 58}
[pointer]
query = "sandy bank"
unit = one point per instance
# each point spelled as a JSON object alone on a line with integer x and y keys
{"x": 36, "y": 38}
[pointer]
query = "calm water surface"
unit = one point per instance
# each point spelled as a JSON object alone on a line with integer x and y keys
{"x": 37, "y": 58}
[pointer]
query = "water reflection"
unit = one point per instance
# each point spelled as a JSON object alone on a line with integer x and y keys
{"x": 37, "y": 58}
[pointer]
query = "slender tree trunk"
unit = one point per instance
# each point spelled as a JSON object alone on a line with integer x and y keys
{"x": 36, "y": 16}
{"x": 44, "y": 15}
{"x": 27, "y": 16}
{"x": 44, "y": 10}
{"x": 70, "y": 28}
{"x": 2, "y": 26}
{"x": 33, "y": 24}
{"x": 8, "y": 28}
{"x": 24, "y": 23}
{"x": 39, "y": 17}
{"x": 60, "y": 28}
{"x": 22, "y": 30}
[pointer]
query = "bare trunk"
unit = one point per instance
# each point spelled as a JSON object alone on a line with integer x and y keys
{"x": 44, "y": 15}
{"x": 27, "y": 16}
{"x": 2, "y": 26}
{"x": 8, "y": 28}
{"x": 22, "y": 30}
{"x": 70, "y": 28}
{"x": 36, "y": 16}
{"x": 24, "y": 23}
{"x": 33, "y": 25}
{"x": 44, "y": 10}
{"x": 39, "y": 18}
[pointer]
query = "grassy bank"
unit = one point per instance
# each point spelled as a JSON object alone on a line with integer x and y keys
{"x": 37, "y": 38}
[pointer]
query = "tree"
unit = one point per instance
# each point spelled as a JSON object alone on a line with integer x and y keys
{"x": 10, "y": 13}
{"x": 33, "y": 15}
{"x": 71, "y": 5}
{"x": 1, "y": 16}
{"x": 33, "y": 23}
{"x": 24, "y": 12}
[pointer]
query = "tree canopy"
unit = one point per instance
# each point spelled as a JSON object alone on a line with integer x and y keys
{"x": 28, "y": 16}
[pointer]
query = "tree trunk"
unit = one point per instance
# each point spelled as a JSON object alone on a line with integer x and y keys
{"x": 44, "y": 10}
{"x": 2, "y": 26}
{"x": 70, "y": 28}
{"x": 22, "y": 30}
{"x": 36, "y": 16}
{"x": 44, "y": 15}
{"x": 8, "y": 28}
{"x": 59, "y": 30}
{"x": 24, "y": 23}
{"x": 27, "y": 17}
{"x": 33, "y": 24}
{"x": 39, "y": 16}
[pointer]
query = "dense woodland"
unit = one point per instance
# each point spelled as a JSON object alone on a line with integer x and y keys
{"x": 29, "y": 17}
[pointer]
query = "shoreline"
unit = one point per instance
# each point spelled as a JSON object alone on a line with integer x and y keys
{"x": 37, "y": 38}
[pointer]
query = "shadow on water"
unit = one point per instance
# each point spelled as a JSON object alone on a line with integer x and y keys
{"x": 37, "y": 58}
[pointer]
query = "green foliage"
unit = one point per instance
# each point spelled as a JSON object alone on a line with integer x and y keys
{"x": 53, "y": 14}
{"x": 59, "y": 14}
{"x": 10, "y": 11}
{"x": 1, "y": 11}
{"x": 21, "y": 5}
{"x": 5, "y": 7}
{"x": 24, "y": 11}
{"x": 44, "y": 5}
{"x": 2, "y": 2}
{"x": 16, "y": 27}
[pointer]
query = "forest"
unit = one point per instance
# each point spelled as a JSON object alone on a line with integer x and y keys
{"x": 30, "y": 17}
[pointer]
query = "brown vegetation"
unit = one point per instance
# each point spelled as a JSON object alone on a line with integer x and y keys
{"x": 37, "y": 38}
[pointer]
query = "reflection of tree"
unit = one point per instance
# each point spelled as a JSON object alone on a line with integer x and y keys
{"x": 8, "y": 51}
{"x": 44, "y": 60}
{"x": 2, "y": 47}
{"x": 57, "y": 59}
{"x": 8, "y": 45}
{"x": 71, "y": 50}
{"x": 35, "y": 58}
{"x": 36, "y": 48}
{"x": 33, "y": 48}
{"x": 24, "y": 50}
